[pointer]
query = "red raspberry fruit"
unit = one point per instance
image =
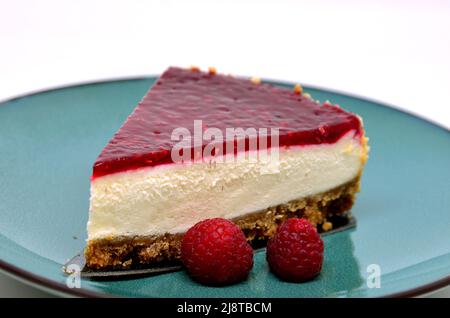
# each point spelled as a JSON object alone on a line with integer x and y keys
{"x": 295, "y": 253}
{"x": 216, "y": 252}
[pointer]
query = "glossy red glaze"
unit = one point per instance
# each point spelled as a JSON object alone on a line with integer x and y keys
{"x": 181, "y": 96}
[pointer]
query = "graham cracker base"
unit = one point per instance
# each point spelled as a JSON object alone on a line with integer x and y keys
{"x": 127, "y": 252}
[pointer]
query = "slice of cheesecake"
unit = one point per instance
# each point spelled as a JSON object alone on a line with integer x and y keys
{"x": 189, "y": 152}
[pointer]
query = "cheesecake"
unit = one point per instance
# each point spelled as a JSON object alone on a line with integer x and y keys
{"x": 202, "y": 145}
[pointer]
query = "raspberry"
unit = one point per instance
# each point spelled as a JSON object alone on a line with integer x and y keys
{"x": 216, "y": 252}
{"x": 295, "y": 253}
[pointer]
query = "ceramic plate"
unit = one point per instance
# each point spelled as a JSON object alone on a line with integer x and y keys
{"x": 49, "y": 140}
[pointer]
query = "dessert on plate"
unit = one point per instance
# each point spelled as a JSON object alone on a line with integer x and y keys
{"x": 187, "y": 153}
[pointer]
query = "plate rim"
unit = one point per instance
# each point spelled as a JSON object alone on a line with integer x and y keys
{"x": 40, "y": 282}
{"x": 264, "y": 80}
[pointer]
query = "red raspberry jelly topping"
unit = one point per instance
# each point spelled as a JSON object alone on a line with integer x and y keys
{"x": 181, "y": 96}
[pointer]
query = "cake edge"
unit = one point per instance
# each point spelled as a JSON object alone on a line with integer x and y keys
{"x": 126, "y": 252}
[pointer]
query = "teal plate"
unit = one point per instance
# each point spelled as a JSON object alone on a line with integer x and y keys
{"x": 49, "y": 140}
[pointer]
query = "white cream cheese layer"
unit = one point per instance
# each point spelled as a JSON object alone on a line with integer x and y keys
{"x": 171, "y": 198}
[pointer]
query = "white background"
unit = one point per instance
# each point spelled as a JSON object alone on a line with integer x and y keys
{"x": 393, "y": 51}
